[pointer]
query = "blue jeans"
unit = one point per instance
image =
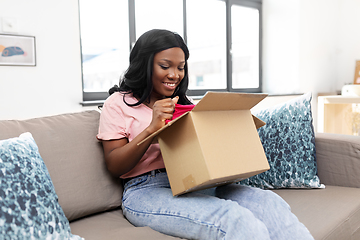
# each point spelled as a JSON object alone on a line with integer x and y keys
{"x": 227, "y": 212}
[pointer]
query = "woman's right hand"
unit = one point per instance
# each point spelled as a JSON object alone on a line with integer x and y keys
{"x": 121, "y": 155}
{"x": 162, "y": 110}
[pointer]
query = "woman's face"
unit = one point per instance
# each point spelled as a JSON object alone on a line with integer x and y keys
{"x": 168, "y": 71}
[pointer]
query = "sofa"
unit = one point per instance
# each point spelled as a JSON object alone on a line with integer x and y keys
{"x": 91, "y": 198}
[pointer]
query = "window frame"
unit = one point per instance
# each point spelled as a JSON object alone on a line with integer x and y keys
{"x": 93, "y": 98}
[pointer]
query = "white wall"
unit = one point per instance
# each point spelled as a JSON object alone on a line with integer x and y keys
{"x": 281, "y": 45}
{"x": 309, "y": 45}
{"x": 348, "y": 47}
{"x": 320, "y": 21}
{"x": 54, "y": 85}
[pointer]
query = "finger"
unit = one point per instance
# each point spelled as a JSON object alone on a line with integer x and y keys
{"x": 169, "y": 106}
{"x": 167, "y": 102}
{"x": 166, "y": 105}
{"x": 169, "y": 110}
{"x": 175, "y": 99}
{"x": 167, "y": 116}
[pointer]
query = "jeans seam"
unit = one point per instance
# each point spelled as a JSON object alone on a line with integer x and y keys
{"x": 196, "y": 221}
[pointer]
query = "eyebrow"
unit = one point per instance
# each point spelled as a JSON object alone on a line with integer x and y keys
{"x": 167, "y": 60}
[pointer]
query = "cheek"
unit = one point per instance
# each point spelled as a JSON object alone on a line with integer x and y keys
{"x": 182, "y": 75}
{"x": 156, "y": 75}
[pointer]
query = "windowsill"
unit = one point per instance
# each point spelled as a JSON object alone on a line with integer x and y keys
{"x": 92, "y": 103}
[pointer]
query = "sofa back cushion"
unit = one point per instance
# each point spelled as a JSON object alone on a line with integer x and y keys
{"x": 75, "y": 161}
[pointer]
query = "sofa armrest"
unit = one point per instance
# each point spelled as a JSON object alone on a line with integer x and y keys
{"x": 338, "y": 159}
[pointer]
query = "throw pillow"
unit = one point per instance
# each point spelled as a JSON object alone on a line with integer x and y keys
{"x": 289, "y": 144}
{"x": 29, "y": 207}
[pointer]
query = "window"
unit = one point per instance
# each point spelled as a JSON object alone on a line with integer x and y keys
{"x": 245, "y": 47}
{"x": 206, "y": 40}
{"x": 158, "y": 14}
{"x": 104, "y": 30}
{"x": 223, "y": 37}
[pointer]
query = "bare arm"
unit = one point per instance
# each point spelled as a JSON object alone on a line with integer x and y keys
{"x": 121, "y": 155}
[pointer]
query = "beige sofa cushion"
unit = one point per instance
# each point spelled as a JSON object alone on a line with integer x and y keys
{"x": 112, "y": 225}
{"x": 332, "y": 213}
{"x": 74, "y": 158}
{"x": 338, "y": 159}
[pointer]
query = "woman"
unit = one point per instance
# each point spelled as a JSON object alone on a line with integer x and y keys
{"x": 155, "y": 81}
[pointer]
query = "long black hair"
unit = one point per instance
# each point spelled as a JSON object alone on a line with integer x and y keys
{"x": 138, "y": 77}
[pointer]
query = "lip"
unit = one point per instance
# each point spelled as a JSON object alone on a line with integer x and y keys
{"x": 170, "y": 85}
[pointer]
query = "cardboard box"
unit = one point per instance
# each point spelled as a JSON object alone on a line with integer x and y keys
{"x": 216, "y": 143}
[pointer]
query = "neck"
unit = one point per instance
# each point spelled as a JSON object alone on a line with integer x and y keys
{"x": 153, "y": 98}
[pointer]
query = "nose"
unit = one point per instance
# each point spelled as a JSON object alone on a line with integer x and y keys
{"x": 173, "y": 74}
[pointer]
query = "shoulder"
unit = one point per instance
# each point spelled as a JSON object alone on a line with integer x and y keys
{"x": 117, "y": 100}
{"x": 114, "y": 98}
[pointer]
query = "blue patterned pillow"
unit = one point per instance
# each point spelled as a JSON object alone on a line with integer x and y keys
{"x": 289, "y": 144}
{"x": 29, "y": 207}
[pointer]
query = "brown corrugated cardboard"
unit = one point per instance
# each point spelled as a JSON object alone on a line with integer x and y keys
{"x": 215, "y": 143}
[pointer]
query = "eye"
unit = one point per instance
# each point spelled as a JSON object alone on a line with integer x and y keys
{"x": 181, "y": 68}
{"x": 164, "y": 67}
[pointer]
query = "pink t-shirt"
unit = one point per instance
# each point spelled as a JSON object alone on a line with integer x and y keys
{"x": 118, "y": 120}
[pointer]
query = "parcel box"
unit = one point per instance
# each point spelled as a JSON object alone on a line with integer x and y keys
{"x": 214, "y": 144}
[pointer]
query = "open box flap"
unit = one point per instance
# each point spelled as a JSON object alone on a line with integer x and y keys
{"x": 258, "y": 122}
{"x": 217, "y": 101}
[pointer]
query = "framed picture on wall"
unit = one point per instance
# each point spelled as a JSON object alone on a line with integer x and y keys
{"x": 17, "y": 50}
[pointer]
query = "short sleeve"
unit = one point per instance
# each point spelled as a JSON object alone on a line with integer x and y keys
{"x": 112, "y": 124}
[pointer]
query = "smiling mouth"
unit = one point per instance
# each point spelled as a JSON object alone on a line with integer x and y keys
{"x": 170, "y": 84}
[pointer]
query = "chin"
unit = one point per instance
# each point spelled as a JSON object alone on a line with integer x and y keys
{"x": 169, "y": 94}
